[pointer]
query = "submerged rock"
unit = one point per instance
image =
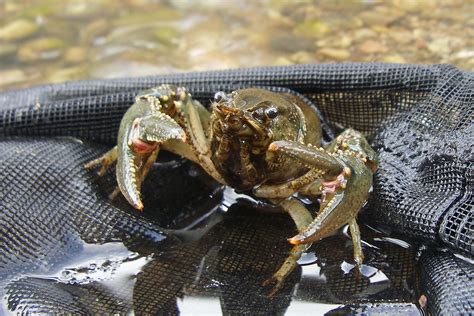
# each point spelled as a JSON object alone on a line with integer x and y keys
{"x": 397, "y": 59}
{"x": 7, "y": 50}
{"x": 335, "y": 53}
{"x": 40, "y": 49}
{"x": 65, "y": 74}
{"x": 373, "y": 47}
{"x": 18, "y": 29}
{"x": 311, "y": 29}
{"x": 8, "y": 77}
{"x": 75, "y": 54}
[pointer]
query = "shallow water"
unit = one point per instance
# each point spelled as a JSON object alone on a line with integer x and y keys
{"x": 56, "y": 40}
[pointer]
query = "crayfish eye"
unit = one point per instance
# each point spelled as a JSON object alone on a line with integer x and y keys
{"x": 271, "y": 113}
{"x": 220, "y": 96}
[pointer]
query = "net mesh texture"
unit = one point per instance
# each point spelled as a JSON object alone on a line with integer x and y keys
{"x": 419, "y": 118}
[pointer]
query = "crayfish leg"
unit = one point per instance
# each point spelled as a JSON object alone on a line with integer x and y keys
{"x": 356, "y": 242}
{"x": 302, "y": 218}
{"x": 105, "y": 161}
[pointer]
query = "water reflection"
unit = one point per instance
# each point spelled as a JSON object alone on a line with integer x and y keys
{"x": 224, "y": 269}
{"x": 216, "y": 262}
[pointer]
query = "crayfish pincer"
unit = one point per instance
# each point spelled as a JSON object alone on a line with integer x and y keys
{"x": 256, "y": 141}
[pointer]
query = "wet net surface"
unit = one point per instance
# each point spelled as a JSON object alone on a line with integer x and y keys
{"x": 419, "y": 118}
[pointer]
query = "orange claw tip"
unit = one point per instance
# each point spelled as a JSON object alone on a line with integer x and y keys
{"x": 294, "y": 240}
{"x": 273, "y": 147}
{"x": 139, "y": 206}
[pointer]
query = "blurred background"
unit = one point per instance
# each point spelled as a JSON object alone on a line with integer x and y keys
{"x": 48, "y": 41}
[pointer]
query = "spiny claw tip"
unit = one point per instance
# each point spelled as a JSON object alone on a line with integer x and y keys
{"x": 273, "y": 147}
{"x": 139, "y": 206}
{"x": 294, "y": 240}
{"x": 347, "y": 171}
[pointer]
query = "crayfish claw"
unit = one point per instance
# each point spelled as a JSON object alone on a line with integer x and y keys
{"x": 144, "y": 128}
{"x": 129, "y": 182}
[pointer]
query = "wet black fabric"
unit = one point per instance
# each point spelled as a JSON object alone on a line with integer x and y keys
{"x": 418, "y": 117}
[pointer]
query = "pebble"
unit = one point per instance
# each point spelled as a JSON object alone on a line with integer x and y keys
{"x": 382, "y": 16}
{"x": 141, "y": 18}
{"x": 303, "y": 57}
{"x": 283, "y": 61}
{"x": 397, "y": 59}
{"x": 311, "y": 29}
{"x": 7, "y": 50}
{"x": 343, "y": 42}
{"x": 363, "y": 33}
{"x": 416, "y": 6}
{"x": 440, "y": 46}
{"x": 215, "y": 60}
{"x": 335, "y": 53}
{"x": 127, "y": 68}
{"x": 166, "y": 35}
{"x": 95, "y": 29}
{"x": 85, "y": 9}
{"x": 65, "y": 74}
{"x": 286, "y": 43}
{"x": 40, "y": 49}
{"x": 18, "y": 29}
{"x": 75, "y": 54}
{"x": 340, "y": 42}
{"x": 465, "y": 54}
{"x": 8, "y": 77}
{"x": 372, "y": 47}
{"x": 60, "y": 28}
{"x": 401, "y": 36}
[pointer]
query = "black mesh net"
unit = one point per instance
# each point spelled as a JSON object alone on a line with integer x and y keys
{"x": 418, "y": 118}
